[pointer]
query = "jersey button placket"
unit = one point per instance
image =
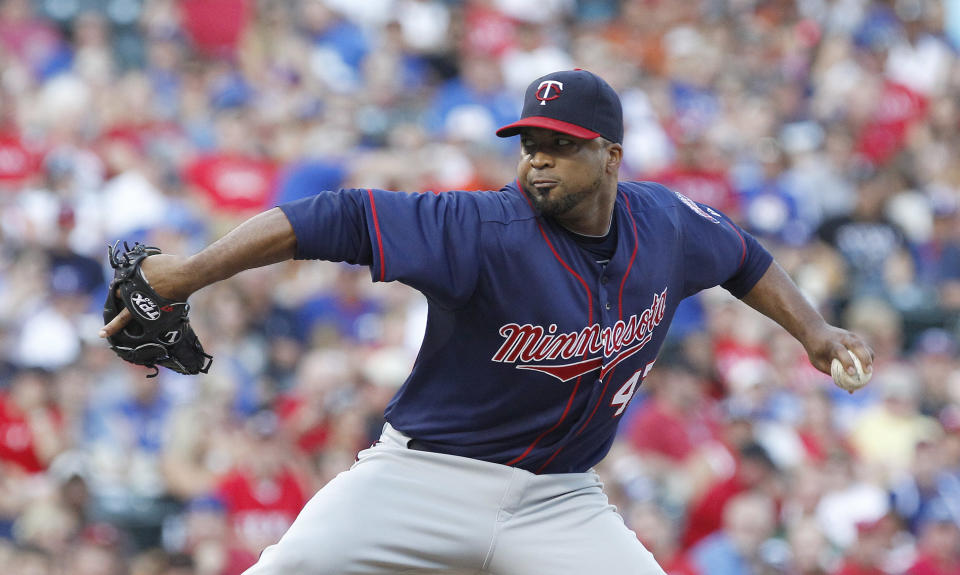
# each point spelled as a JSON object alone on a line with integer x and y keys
{"x": 602, "y": 291}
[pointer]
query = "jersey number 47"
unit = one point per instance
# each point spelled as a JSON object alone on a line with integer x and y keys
{"x": 623, "y": 395}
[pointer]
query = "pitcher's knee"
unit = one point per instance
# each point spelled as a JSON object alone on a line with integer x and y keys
{"x": 323, "y": 556}
{"x": 302, "y": 560}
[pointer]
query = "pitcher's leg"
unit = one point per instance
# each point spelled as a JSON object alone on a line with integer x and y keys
{"x": 394, "y": 512}
{"x": 575, "y": 533}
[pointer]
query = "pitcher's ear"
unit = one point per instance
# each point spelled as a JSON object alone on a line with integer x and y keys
{"x": 614, "y": 156}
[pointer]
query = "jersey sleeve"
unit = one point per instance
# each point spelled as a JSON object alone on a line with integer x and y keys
{"x": 718, "y": 252}
{"x": 425, "y": 240}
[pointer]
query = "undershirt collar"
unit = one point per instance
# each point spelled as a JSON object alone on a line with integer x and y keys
{"x": 601, "y": 248}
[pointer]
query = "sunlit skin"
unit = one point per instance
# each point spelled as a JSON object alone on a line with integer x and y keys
{"x": 572, "y": 180}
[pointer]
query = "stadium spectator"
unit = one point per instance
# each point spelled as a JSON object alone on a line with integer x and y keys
{"x": 827, "y": 129}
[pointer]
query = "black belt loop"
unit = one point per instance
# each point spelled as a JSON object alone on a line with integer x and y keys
{"x": 417, "y": 445}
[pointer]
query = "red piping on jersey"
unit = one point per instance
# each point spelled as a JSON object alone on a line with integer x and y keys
{"x": 743, "y": 254}
{"x": 623, "y": 283}
{"x": 563, "y": 263}
{"x": 551, "y": 458}
{"x": 566, "y": 410}
{"x": 612, "y": 367}
{"x": 633, "y": 256}
{"x": 576, "y": 387}
{"x": 376, "y": 226}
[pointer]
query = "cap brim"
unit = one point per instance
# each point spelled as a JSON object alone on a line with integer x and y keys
{"x": 549, "y": 124}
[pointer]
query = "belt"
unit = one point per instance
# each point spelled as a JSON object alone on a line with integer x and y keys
{"x": 417, "y": 445}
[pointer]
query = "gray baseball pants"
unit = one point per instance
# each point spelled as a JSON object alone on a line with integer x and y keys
{"x": 399, "y": 511}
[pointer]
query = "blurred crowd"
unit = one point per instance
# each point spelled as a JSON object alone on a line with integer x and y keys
{"x": 830, "y": 129}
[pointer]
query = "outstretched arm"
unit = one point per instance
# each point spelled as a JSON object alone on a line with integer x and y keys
{"x": 264, "y": 239}
{"x": 777, "y": 297}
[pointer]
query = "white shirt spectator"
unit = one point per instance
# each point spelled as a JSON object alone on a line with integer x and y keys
{"x": 923, "y": 67}
{"x": 425, "y": 24}
{"x": 135, "y": 204}
{"x": 48, "y": 340}
{"x": 519, "y": 66}
{"x": 535, "y": 10}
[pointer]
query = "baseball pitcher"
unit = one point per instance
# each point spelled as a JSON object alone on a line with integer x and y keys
{"x": 548, "y": 301}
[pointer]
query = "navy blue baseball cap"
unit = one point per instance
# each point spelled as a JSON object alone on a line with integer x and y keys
{"x": 574, "y": 102}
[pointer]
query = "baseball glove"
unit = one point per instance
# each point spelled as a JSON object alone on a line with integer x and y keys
{"x": 159, "y": 332}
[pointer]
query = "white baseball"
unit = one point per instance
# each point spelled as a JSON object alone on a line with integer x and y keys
{"x": 846, "y": 381}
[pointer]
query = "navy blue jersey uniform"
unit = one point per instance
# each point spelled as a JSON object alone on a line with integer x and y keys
{"x": 533, "y": 349}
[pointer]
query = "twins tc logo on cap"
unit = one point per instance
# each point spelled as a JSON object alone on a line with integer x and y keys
{"x": 589, "y": 108}
{"x": 549, "y": 90}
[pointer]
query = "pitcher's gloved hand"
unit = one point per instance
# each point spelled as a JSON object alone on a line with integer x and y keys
{"x": 158, "y": 333}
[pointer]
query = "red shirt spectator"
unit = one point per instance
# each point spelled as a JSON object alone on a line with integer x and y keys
{"x": 256, "y": 506}
{"x": 938, "y": 542}
{"x": 16, "y": 438}
{"x": 868, "y": 552}
{"x": 927, "y": 565}
{"x": 676, "y": 419}
{"x": 732, "y": 353}
{"x": 17, "y": 161}
{"x": 817, "y": 433}
{"x": 304, "y": 410}
{"x": 262, "y": 495}
{"x": 29, "y": 429}
{"x": 311, "y": 437}
{"x": 705, "y": 186}
{"x": 700, "y": 173}
{"x": 259, "y": 511}
{"x": 885, "y": 134}
{"x": 680, "y": 565}
{"x": 234, "y": 182}
{"x": 706, "y": 516}
{"x": 658, "y": 534}
{"x": 215, "y": 26}
{"x": 32, "y": 40}
{"x": 754, "y": 469}
{"x": 851, "y": 568}
{"x": 658, "y": 428}
{"x": 487, "y": 31}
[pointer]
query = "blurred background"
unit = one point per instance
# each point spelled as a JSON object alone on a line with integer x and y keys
{"x": 830, "y": 129}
